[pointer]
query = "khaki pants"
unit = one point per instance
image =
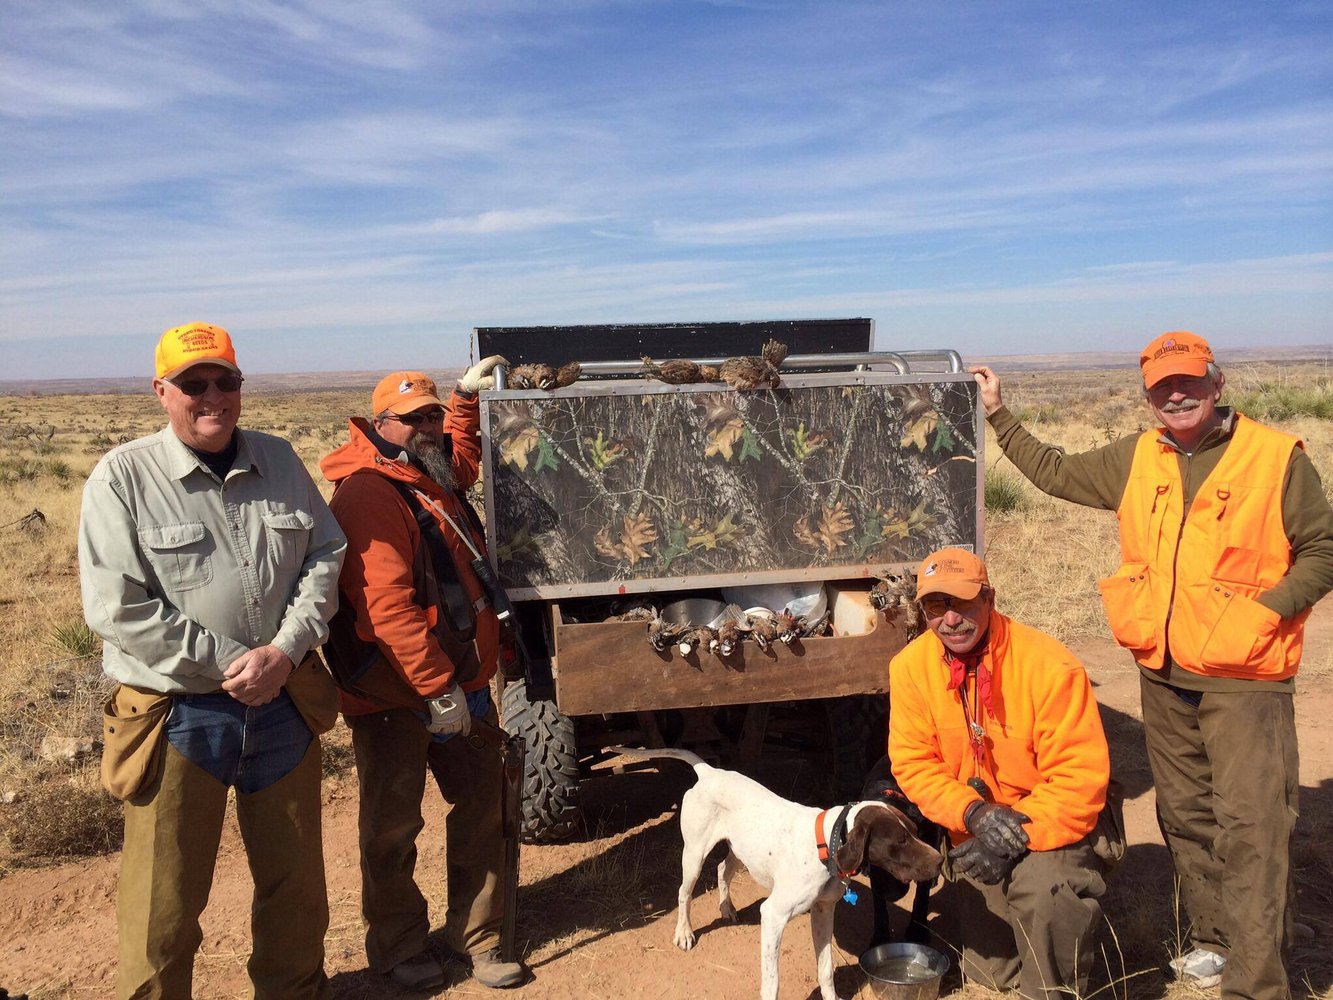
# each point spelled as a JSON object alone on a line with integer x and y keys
{"x": 1227, "y": 784}
{"x": 172, "y": 832}
{"x": 1034, "y": 931}
{"x": 393, "y": 751}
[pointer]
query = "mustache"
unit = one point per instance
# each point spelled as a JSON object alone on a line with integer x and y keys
{"x": 962, "y": 628}
{"x": 1184, "y": 406}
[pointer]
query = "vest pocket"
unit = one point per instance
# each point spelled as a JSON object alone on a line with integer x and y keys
{"x": 1244, "y": 640}
{"x": 1129, "y": 607}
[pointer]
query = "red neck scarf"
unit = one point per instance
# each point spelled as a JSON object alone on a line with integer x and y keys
{"x": 959, "y": 666}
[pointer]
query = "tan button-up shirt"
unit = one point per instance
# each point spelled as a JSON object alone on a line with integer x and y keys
{"x": 181, "y": 572}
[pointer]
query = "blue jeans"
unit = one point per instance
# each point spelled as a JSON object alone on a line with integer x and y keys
{"x": 248, "y": 747}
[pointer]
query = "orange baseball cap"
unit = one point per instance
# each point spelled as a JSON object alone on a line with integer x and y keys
{"x": 1176, "y": 353}
{"x": 183, "y": 347}
{"x": 952, "y": 571}
{"x": 403, "y": 392}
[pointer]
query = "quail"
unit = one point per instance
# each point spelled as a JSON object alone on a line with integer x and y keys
{"x": 567, "y": 374}
{"x": 677, "y": 371}
{"x": 662, "y": 634}
{"x": 533, "y": 376}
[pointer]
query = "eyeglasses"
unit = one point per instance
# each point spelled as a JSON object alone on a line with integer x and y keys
{"x": 227, "y": 382}
{"x": 937, "y": 605}
{"x": 418, "y": 417}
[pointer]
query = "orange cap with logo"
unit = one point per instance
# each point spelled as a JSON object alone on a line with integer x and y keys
{"x": 1176, "y": 353}
{"x": 403, "y": 392}
{"x": 183, "y": 347}
{"x": 952, "y": 571}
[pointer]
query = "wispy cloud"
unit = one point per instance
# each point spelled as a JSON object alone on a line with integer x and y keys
{"x": 326, "y": 171}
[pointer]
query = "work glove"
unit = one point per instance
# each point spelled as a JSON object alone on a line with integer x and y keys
{"x": 480, "y": 375}
{"x": 998, "y": 827}
{"x": 448, "y": 714}
{"x": 971, "y": 858}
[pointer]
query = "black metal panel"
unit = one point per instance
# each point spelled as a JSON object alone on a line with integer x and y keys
{"x": 555, "y": 345}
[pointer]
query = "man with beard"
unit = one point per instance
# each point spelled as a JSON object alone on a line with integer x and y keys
{"x": 1226, "y": 541}
{"x": 415, "y": 616}
{"x": 995, "y": 735}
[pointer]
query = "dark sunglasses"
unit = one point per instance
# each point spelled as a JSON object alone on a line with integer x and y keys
{"x": 229, "y": 382}
{"x": 418, "y": 417}
{"x": 937, "y": 605}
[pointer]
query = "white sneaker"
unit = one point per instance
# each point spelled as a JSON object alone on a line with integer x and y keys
{"x": 1200, "y": 968}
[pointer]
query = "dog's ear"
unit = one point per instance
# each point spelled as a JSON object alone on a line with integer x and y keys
{"x": 851, "y": 856}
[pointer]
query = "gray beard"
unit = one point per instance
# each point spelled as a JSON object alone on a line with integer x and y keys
{"x": 438, "y": 465}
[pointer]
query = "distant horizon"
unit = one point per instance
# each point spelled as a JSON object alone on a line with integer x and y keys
{"x": 345, "y": 379}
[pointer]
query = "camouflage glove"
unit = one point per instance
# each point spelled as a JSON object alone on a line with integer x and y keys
{"x": 998, "y": 827}
{"x": 448, "y": 714}
{"x": 480, "y": 375}
{"x": 971, "y": 858}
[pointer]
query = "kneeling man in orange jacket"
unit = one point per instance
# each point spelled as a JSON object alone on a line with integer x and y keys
{"x": 995, "y": 734}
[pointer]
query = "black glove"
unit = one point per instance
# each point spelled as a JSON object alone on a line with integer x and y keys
{"x": 999, "y": 828}
{"x": 971, "y": 858}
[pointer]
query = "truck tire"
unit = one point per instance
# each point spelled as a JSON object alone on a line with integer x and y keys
{"x": 550, "y": 765}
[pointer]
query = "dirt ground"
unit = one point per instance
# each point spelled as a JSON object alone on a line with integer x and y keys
{"x": 596, "y": 916}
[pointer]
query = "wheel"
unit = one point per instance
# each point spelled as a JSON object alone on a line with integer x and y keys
{"x": 550, "y": 765}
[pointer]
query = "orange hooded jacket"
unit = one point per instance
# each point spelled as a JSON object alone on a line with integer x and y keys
{"x": 383, "y": 537}
{"x": 1044, "y": 749}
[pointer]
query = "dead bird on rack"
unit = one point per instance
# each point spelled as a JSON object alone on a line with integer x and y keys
{"x": 751, "y": 372}
{"x": 539, "y": 376}
{"x": 662, "y": 634}
{"x": 679, "y": 371}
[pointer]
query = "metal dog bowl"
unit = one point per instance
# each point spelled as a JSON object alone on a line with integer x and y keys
{"x": 693, "y": 610}
{"x": 902, "y": 971}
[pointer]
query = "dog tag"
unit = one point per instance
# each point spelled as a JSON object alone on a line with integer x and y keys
{"x": 850, "y": 895}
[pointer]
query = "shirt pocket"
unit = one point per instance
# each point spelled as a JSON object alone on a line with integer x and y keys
{"x": 287, "y": 534}
{"x": 180, "y": 554}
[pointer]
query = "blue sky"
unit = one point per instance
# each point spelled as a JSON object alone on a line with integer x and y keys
{"x": 355, "y": 184}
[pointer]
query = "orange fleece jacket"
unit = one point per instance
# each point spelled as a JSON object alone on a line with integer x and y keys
{"x": 1045, "y": 752}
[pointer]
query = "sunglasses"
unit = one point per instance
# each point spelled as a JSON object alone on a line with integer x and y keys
{"x": 228, "y": 382}
{"x": 418, "y": 417}
{"x": 937, "y": 605}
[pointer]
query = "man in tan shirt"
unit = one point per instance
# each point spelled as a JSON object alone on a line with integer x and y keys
{"x": 209, "y": 565}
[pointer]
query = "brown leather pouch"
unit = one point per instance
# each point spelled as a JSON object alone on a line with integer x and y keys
{"x": 314, "y": 694}
{"x": 133, "y": 737}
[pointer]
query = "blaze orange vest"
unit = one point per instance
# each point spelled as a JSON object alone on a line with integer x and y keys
{"x": 1187, "y": 582}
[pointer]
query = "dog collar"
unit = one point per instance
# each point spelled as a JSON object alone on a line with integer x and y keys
{"x": 828, "y": 848}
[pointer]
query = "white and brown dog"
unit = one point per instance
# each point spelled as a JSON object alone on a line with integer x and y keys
{"x": 802, "y": 855}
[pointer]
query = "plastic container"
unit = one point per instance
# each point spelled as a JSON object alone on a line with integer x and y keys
{"x": 801, "y": 599}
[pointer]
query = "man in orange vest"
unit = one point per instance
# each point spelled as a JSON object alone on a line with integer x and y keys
{"x": 1226, "y": 543}
{"x": 994, "y": 733}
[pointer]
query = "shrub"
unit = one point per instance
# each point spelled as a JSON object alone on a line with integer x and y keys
{"x": 61, "y": 820}
{"x": 1270, "y": 401}
{"x": 1005, "y": 493}
{"x": 76, "y": 638}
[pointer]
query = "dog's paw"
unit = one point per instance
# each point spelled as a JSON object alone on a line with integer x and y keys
{"x": 728, "y": 911}
{"x": 684, "y": 938}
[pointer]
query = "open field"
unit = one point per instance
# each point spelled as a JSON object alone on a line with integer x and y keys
{"x": 596, "y": 914}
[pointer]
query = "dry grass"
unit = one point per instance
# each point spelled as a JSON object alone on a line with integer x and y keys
{"x": 1045, "y": 557}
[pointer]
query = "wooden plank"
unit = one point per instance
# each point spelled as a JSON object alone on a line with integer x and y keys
{"x": 555, "y": 345}
{"x": 610, "y": 667}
